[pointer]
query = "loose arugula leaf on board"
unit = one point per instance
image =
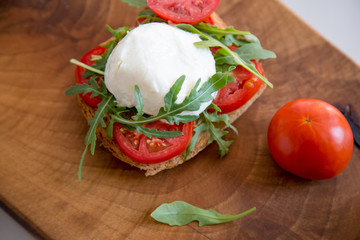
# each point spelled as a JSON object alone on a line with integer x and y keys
{"x": 136, "y": 3}
{"x": 180, "y": 213}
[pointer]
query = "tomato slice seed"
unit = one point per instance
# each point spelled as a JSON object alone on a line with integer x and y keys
{"x": 156, "y": 144}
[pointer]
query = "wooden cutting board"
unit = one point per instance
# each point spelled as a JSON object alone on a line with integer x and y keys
{"x": 42, "y": 135}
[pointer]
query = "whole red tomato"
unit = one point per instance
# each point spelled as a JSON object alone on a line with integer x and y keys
{"x": 311, "y": 139}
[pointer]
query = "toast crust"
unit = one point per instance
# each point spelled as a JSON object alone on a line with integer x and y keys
{"x": 152, "y": 169}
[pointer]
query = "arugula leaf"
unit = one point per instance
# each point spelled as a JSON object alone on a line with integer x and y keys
{"x": 180, "y": 213}
{"x": 206, "y": 123}
{"x": 197, "y": 131}
{"x": 172, "y": 110}
{"x": 139, "y": 104}
{"x": 136, "y": 3}
{"x": 216, "y": 135}
{"x": 152, "y": 132}
{"x": 228, "y": 36}
{"x": 146, "y": 12}
{"x": 82, "y": 88}
{"x": 171, "y": 96}
{"x": 224, "y": 64}
{"x": 195, "y": 98}
{"x": 101, "y": 62}
{"x": 210, "y": 41}
{"x": 98, "y": 118}
{"x": 105, "y": 106}
{"x": 118, "y": 33}
{"x": 97, "y": 70}
{"x": 254, "y": 50}
{"x": 218, "y": 32}
{"x": 220, "y": 118}
{"x": 230, "y": 40}
{"x": 147, "y": 16}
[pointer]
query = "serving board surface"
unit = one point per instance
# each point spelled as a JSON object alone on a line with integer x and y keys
{"x": 42, "y": 135}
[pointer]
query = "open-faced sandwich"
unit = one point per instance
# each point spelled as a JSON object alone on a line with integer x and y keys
{"x": 157, "y": 94}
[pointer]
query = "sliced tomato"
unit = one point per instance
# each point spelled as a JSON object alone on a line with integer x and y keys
{"x": 209, "y": 20}
{"x": 183, "y": 11}
{"x": 234, "y": 95}
{"x": 153, "y": 150}
{"x": 79, "y": 71}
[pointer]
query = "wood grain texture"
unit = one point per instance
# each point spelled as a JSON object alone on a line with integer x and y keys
{"x": 42, "y": 135}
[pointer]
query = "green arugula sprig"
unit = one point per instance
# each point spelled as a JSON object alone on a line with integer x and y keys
{"x": 206, "y": 123}
{"x": 248, "y": 47}
{"x": 172, "y": 112}
{"x": 209, "y": 41}
{"x": 136, "y": 3}
{"x": 106, "y": 105}
{"x": 100, "y": 61}
{"x": 147, "y": 16}
{"x": 180, "y": 213}
{"x": 220, "y": 33}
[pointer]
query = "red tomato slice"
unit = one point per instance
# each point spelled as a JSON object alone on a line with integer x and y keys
{"x": 234, "y": 95}
{"x": 183, "y": 11}
{"x": 153, "y": 150}
{"x": 209, "y": 20}
{"x": 79, "y": 71}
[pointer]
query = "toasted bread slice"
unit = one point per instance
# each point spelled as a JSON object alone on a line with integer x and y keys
{"x": 152, "y": 169}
